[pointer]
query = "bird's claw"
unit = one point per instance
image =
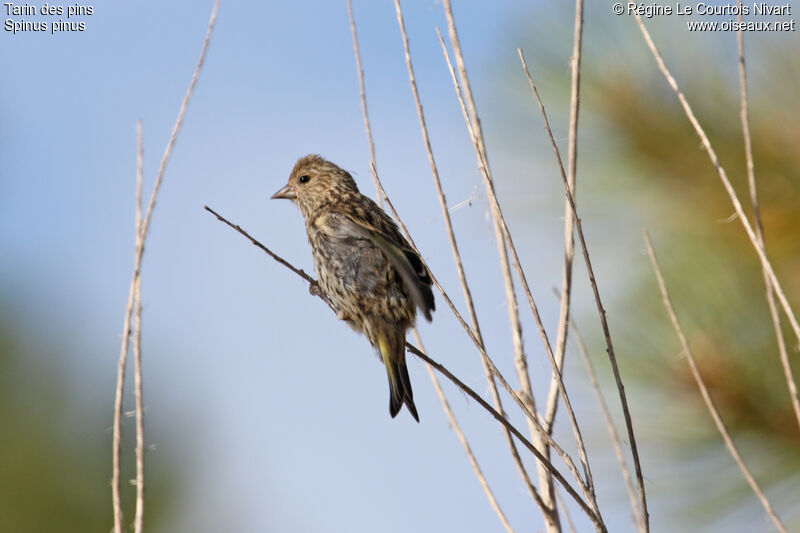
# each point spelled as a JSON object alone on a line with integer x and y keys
{"x": 314, "y": 289}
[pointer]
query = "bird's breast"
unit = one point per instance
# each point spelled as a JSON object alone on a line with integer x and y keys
{"x": 358, "y": 278}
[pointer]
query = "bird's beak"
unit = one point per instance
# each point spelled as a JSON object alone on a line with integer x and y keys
{"x": 285, "y": 193}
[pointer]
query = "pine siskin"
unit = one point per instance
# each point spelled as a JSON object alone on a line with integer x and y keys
{"x": 371, "y": 275}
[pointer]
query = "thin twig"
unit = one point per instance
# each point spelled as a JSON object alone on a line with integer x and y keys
{"x": 612, "y": 429}
{"x": 442, "y": 370}
{"x": 512, "y": 305}
{"x": 314, "y": 288}
{"x": 520, "y": 358}
{"x": 569, "y": 230}
{"x": 459, "y": 265}
{"x": 179, "y": 122}
{"x": 463, "y": 439}
{"x": 123, "y": 359}
{"x": 737, "y": 205}
{"x": 759, "y": 227}
{"x": 141, "y": 236}
{"x": 564, "y": 509}
{"x": 600, "y": 309}
{"x": 139, "y": 176}
{"x": 569, "y": 254}
{"x": 521, "y": 274}
{"x": 137, "y": 347}
{"x": 117, "y": 430}
{"x": 704, "y": 390}
{"x": 361, "y": 85}
{"x": 596, "y": 519}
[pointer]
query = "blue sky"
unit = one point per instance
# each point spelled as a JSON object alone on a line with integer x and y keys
{"x": 279, "y": 411}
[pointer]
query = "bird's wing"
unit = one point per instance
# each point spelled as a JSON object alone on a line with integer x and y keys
{"x": 408, "y": 264}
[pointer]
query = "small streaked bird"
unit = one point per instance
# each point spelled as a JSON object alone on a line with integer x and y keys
{"x": 372, "y": 276}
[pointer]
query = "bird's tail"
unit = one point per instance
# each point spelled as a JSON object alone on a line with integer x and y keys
{"x": 394, "y": 357}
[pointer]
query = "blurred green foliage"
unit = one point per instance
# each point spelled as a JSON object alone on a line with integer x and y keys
{"x": 55, "y": 449}
{"x": 710, "y": 265}
{"x": 641, "y": 154}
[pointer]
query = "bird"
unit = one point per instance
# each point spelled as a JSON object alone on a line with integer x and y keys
{"x": 372, "y": 276}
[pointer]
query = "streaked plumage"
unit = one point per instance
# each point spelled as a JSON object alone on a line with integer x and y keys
{"x": 372, "y": 276}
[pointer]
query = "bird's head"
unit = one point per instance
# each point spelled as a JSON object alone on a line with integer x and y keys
{"x": 315, "y": 183}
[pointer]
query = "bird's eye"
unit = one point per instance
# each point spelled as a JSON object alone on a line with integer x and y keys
{"x": 305, "y": 178}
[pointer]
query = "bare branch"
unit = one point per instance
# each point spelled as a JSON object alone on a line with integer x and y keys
{"x": 612, "y": 429}
{"x": 361, "y": 85}
{"x": 139, "y": 176}
{"x": 596, "y": 519}
{"x": 569, "y": 231}
{"x": 511, "y": 298}
{"x": 117, "y": 430}
{"x": 600, "y": 310}
{"x": 459, "y": 266}
{"x": 751, "y": 182}
{"x": 569, "y": 238}
{"x": 463, "y": 439}
{"x": 737, "y": 205}
{"x": 141, "y": 236}
{"x": 512, "y": 305}
{"x": 314, "y": 287}
{"x": 566, "y": 512}
{"x": 704, "y": 390}
{"x": 521, "y": 274}
{"x": 137, "y": 347}
{"x": 472, "y": 394}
